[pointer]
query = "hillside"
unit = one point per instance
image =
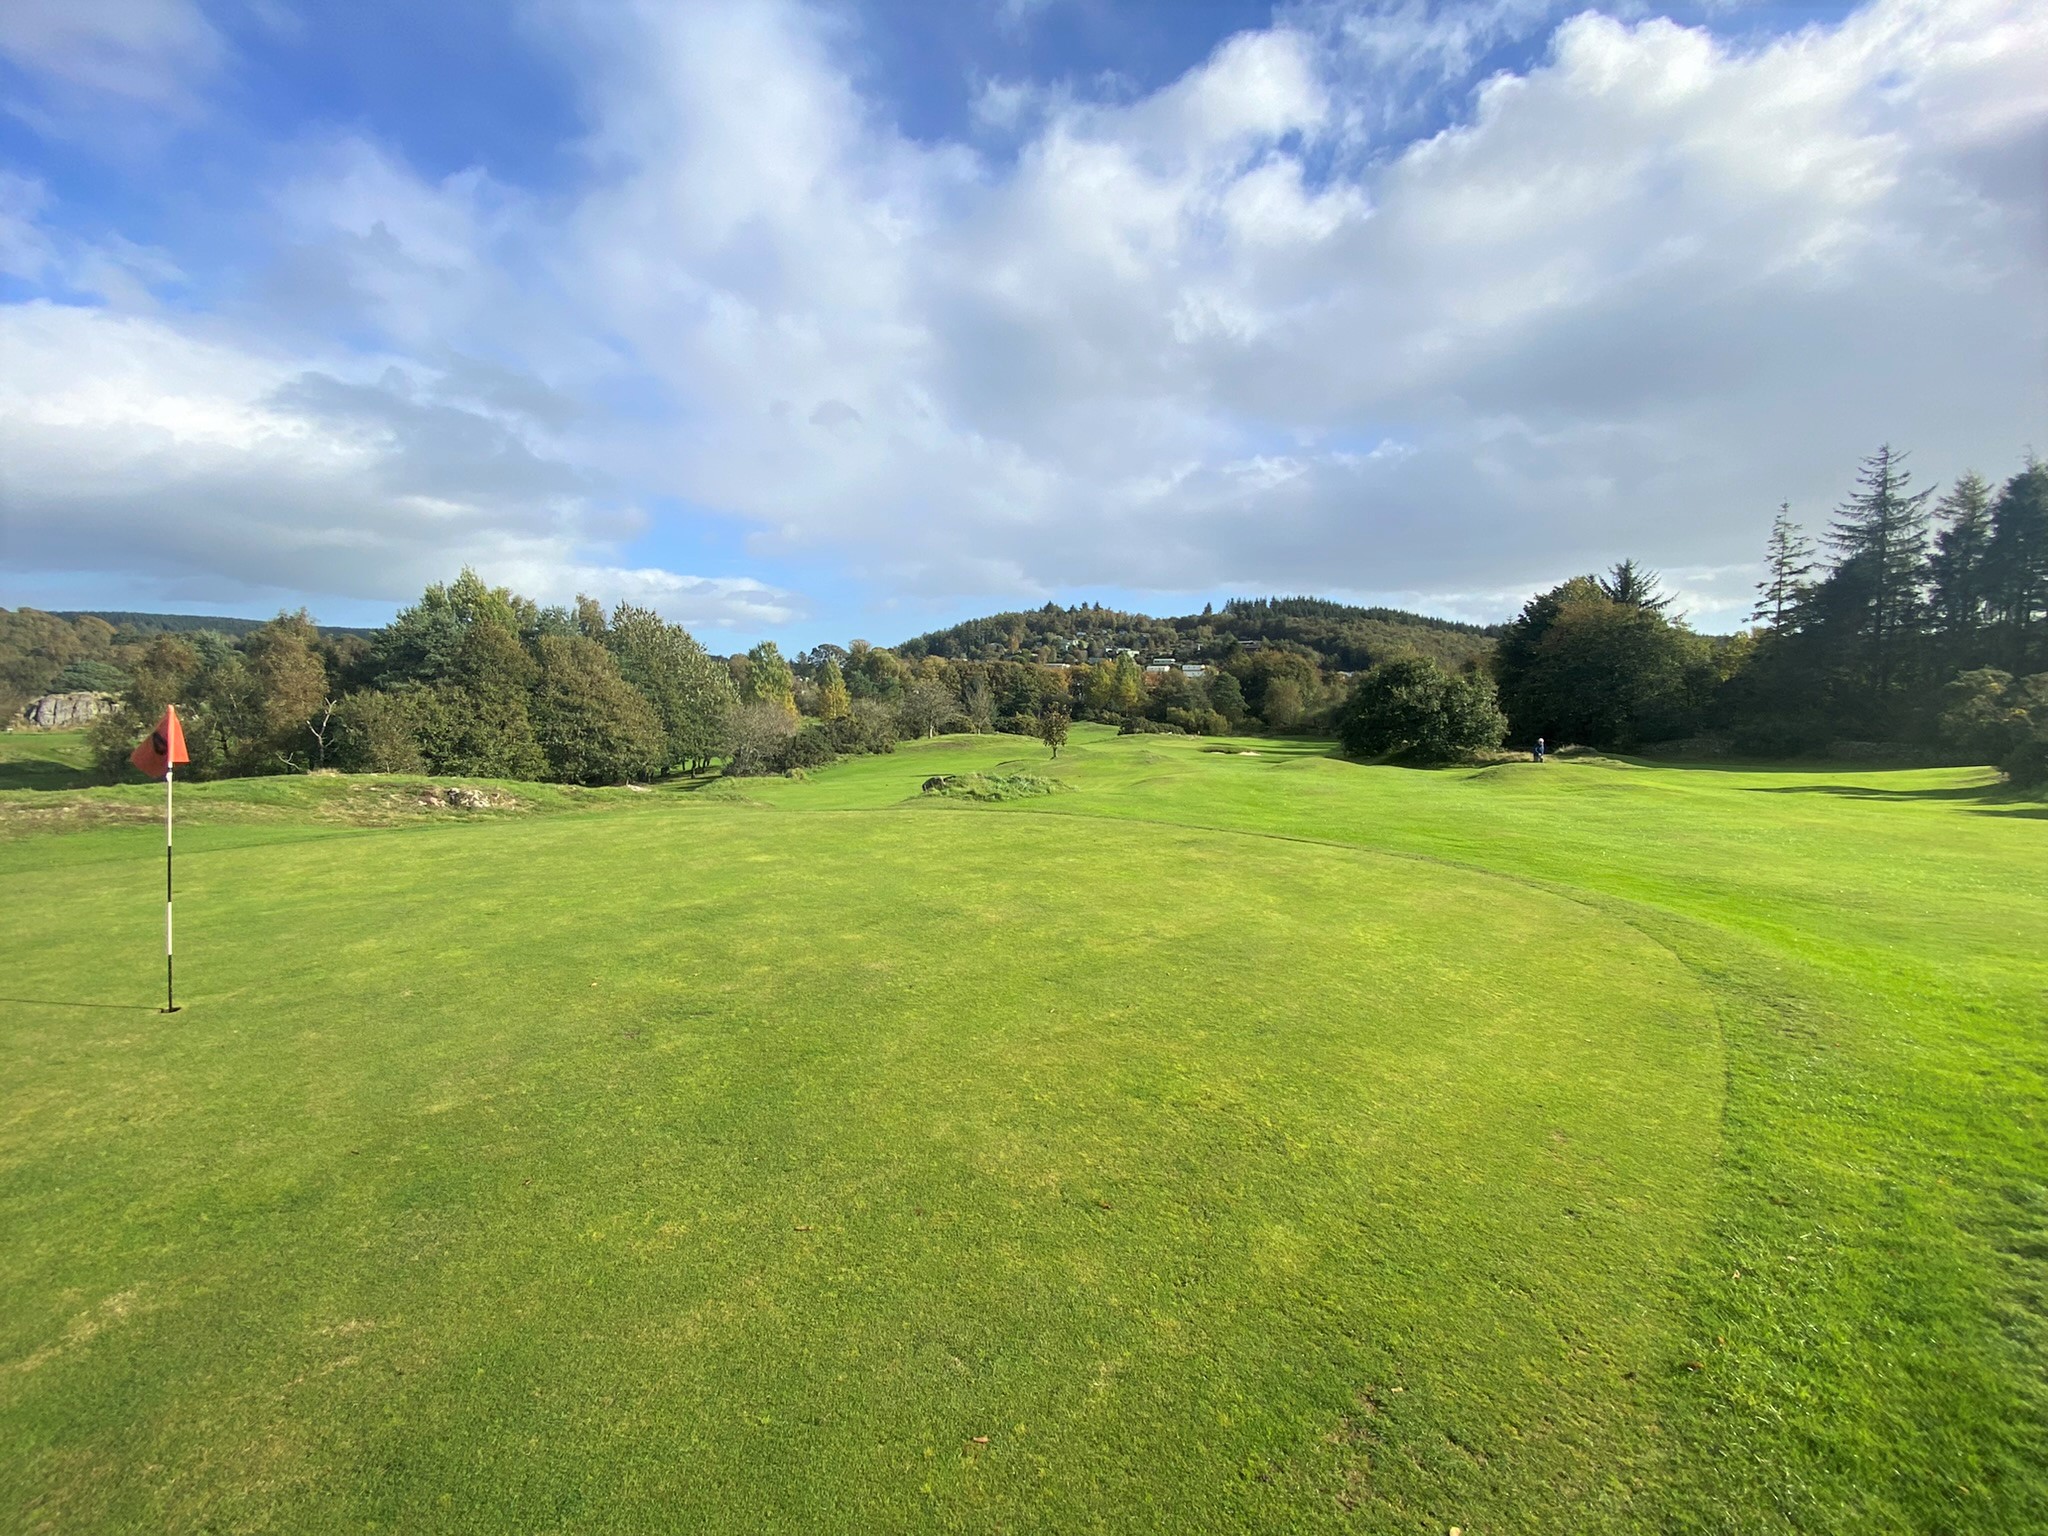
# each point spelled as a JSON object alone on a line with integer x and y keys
{"x": 1340, "y": 636}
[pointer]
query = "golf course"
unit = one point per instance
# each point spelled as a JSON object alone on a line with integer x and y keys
{"x": 1187, "y": 1133}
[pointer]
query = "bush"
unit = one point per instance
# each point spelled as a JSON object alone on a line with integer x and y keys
{"x": 376, "y": 733}
{"x": 2027, "y": 764}
{"x": 87, "y": 676}
{"x": 1138, "y": 725}
{"x": 757, "y": 736}
{"x": 112, "y": 736}
{"x": 1412, "y": 708}
{"x": 810, "y": 747}
{"x": 867, "y": 726}
{"x": 1198, "y": 722}
{"x": 995, "y": 786}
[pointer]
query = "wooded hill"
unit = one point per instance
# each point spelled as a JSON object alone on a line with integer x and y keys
{"x": 1341, "y": 637}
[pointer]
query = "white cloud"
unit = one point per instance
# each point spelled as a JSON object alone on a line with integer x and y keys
{"x": 161, "y": 455}
{"x": 1232, "y": 334}
{"x": 83, "y": 58}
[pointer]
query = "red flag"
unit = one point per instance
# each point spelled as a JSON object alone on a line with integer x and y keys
{"x": 165, "y": 746}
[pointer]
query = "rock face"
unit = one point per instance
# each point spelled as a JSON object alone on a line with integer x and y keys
{"x": 67, "y": 711}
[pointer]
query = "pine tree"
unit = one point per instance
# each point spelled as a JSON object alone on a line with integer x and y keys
{"x": 1880, "y": 533}
{"x": 2017, "y": 569}
{"x": 1788, "y": 561}
{"x": 1958, "y": 576}
{"x": 1636, "y": 585}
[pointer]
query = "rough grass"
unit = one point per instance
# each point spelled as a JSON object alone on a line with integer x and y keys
{"x": 1248, "y": 1142}
{"x": 997, "y": 787}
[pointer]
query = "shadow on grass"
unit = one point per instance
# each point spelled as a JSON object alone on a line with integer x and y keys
{"x": 1984, "y": 799}
{"x": 45, "y": 773}
{"x": 52, "y": 1002}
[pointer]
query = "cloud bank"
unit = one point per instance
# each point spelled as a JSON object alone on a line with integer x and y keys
{"x": 1262, "y": 328}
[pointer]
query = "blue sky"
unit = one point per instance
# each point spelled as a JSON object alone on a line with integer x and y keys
{"x": 812, "y": 322}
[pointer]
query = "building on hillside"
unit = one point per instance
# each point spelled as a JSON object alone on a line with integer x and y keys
{"x": 1162, "y": 664}
{"x": 1194, "y": 669}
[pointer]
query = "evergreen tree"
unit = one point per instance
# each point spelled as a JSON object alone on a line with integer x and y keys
{"x": 1881, "y": 533}
{"x": 1788, "y": 561}
{"x": 1958, "y": 571}
{"x": 2016, "y": 560}
{"x": 1635, "y": 585}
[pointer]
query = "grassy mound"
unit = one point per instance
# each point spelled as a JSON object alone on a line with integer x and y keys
{"x": 993, "y": 787}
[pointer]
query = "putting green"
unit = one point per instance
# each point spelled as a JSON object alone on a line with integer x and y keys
{"x": 736, "y": 1169}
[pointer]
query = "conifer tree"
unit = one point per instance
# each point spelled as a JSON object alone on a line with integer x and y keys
{"x": 1636, "y": 585}
{"x": 2017, "y": 562}
{"x": 1788, "y": 561}
{"x": 1958, "y": 575}
{"x": 1880, "y": 532}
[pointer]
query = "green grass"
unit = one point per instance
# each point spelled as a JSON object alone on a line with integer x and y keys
{"x": 44, "y": 760}
{"x": 1240, "y": 1139}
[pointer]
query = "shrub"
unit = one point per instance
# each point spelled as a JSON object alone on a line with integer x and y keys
{"x": 810, "y": 747}
{"x": 112, "y": 736}
{"x": 995, "y": 786}
{"x": 1413, "y": 709}
{"x": 868, "y": 726}
{"x": 756, "y": 738}
{"x": 376, "y": 733}
{"x": 2027, "y": 764}
{"x": 1198, "y": 722}
{"x": 89, "y": 676}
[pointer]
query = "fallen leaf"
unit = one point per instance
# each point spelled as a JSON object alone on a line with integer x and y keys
{"x": 981, "y": 1439}
{"x": 1694, "y": 1365}
{"x": 804, "y": 1227}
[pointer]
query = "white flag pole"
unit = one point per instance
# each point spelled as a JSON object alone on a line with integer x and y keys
{"x": 170, "y": 986}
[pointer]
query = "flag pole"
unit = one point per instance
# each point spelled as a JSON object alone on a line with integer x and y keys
{"x": 170, "y": 985}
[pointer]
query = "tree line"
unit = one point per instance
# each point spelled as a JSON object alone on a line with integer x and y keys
{"x": 1915, "y": 618}
{"x": 1912, "y": 621}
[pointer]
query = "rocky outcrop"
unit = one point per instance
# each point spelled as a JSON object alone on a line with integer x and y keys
{"x": 462, "y": 798}
{"x": 67, "y": 711}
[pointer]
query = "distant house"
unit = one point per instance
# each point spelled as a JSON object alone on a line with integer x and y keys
{"x": 1162, "y": 664}
{"x": 1195, "y": 669}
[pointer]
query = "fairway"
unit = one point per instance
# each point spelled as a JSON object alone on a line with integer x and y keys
{"x": 1239, "y": 1139}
